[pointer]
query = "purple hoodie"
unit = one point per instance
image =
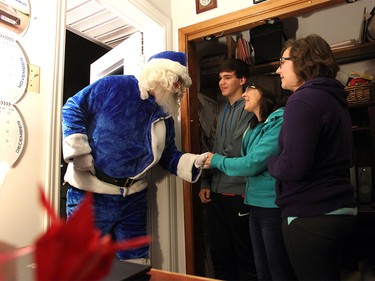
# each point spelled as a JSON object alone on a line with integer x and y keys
{"x": 312, "y": 170}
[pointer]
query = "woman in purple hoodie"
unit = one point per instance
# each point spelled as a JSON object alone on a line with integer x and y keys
{"x": 313, "y": 185}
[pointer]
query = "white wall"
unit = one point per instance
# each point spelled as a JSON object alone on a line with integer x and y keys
{"x": 184, "y": 14}
{"x": 21, "y": 217}
{"x": 338, "y": 24}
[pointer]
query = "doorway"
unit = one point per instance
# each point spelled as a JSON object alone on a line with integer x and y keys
{"x": 166, "y": 223}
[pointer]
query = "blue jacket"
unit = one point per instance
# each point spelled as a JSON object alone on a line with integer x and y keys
{"x": 258, "y": 145}
{"x": 126, "y": 135}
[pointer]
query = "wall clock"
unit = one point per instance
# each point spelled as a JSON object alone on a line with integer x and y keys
{"x": 205, "y": 5}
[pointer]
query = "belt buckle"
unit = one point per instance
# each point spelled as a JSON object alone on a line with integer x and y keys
{"x": 128, "y": 182}
{"x": 124, "y": 189}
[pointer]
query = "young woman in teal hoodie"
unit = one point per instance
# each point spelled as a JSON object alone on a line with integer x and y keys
{"x": 265, "y": 98}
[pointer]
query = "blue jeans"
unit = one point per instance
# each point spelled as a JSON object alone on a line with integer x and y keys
{"x": 271, "y": 258}
{"x": 121, "y": 217}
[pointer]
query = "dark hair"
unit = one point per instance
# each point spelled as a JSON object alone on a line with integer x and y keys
{"x": 312, "y": 57}
{"x": 272, "y": 96}
{"x": 240, "y": 67}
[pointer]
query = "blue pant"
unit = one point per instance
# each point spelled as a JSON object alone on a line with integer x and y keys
{"x": 121, "y": 217}
{"x": 271, "y": 258}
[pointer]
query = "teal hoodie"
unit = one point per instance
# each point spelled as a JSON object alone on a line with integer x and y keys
{"x": 258, "y": 145}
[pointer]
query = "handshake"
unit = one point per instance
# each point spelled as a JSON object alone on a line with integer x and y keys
{"x": 203, "y": 161}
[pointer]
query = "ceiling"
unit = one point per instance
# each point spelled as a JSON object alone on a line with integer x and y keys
{"x": 93, "y": 21}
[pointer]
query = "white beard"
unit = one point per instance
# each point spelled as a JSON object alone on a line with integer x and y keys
{"x": 169, "y": 101}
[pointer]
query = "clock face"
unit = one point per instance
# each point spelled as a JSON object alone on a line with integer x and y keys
{"x": 205, "y": 2}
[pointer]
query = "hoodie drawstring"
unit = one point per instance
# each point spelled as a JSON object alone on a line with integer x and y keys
{"x": 232, "y": 109}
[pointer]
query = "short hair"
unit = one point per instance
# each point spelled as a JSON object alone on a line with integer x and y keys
{"x": 272, "y": 96}
{"x": 240, "y": 67}
{"x": 312, "y": 57}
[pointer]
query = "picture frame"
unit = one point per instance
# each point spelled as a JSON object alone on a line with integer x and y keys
{"x": 258, "y": 1}
{"x": 205, "y": 5}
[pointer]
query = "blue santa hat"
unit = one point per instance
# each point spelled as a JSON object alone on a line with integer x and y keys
{"x": 170, "y": 55}
{"x": 168, "y": 60}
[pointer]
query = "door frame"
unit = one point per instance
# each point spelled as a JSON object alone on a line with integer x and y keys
{"x": 227, "y": 24}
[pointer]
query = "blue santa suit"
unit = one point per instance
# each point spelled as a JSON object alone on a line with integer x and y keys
{"x": 126, "y": 136}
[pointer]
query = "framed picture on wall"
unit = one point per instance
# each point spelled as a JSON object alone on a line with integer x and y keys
{"x": 258, "y": 1}
{"x": 205, "y": 5}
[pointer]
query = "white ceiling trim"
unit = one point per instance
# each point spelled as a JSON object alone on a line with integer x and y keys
{"x": 146, "y": 18}
{"x": 110, "y": 22}
{"x": 96, "y": 22}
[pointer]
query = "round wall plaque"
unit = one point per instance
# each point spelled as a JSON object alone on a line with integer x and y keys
{"x": 13, "y": 71}
{"x": 14, "y": 17}
{"x": 12, "y": 133}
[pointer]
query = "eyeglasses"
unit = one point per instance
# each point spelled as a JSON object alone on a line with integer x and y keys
{"x": 283, "y": 59}
{"x": 251, "y": 86}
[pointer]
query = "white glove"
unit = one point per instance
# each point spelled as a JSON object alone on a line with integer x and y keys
{"x": 84, "y": 163}
{"x": 199, "y": 162}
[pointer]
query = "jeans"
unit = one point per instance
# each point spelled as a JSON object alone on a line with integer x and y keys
{"x": 271, "y": 258}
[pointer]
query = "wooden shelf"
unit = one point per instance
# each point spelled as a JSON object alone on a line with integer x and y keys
{"x": 264, "y": 68}
{"x": 355, "y": 53}
{"x": 362, "y": 104}
{"x": 346, "y": 55}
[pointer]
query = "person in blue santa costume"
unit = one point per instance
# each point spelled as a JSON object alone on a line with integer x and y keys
{"x": 114, "y": 131}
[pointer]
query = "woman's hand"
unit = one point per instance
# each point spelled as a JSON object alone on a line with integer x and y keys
{"x": 207, "y": 163}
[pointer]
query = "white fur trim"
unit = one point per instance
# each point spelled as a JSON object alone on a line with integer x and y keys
{"x": 145, "y": 261}
{"x": 185, "y": 167}
{"x": 167, "y": 64}
{"x": 171, "y": 65}
{"x": 158, "y": 133}
{"x": 86, "y": 181}
{"x": 75, "y": 145}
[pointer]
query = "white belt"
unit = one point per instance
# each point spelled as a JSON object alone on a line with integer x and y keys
{"x": 86, "y": 181}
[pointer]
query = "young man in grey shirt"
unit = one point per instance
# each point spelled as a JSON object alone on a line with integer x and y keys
{"x": 227, "y": 215}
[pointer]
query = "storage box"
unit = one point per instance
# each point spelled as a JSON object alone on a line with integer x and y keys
{"x": 267, "y": 40}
